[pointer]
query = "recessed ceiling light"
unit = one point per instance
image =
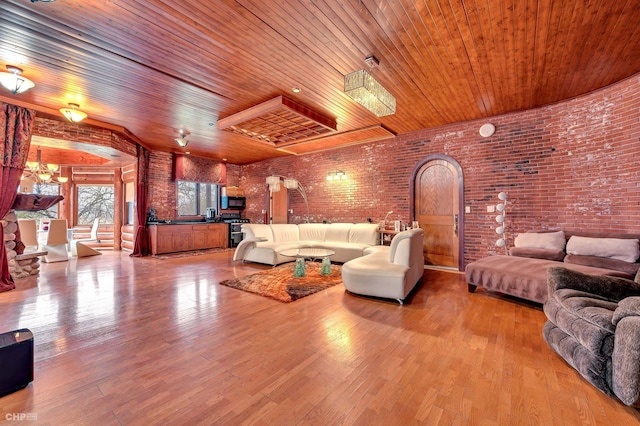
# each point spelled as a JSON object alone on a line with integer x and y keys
{"x": 224, "y": 159}
{"x": 296, "y": 89}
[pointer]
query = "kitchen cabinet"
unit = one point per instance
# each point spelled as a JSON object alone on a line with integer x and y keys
{"x": 218, "y": 239}
{"x": 171, "y": 238}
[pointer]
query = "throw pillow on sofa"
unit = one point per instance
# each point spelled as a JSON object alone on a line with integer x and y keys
{"x": 540, "y": 245}
{"x": 542, "y": 240}
{"x": 604, "y": 262}
{"x": 537, "y": 253}
{"x": 623, "y": 249}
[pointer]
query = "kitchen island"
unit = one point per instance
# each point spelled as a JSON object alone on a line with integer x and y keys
{"x": 186, "y": 236}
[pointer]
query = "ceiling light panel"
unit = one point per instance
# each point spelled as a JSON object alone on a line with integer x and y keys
{"x": 279, "y": 122}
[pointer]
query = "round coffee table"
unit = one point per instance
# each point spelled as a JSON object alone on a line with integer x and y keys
{"x": 311, "y": 253}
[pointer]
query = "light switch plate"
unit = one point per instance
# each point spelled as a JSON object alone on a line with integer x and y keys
{"x": 491, "y": 209}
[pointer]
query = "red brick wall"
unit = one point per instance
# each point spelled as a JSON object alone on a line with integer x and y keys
{"x": 574, "y": 166}
{"x": 65, "y": 130}
{"x": 162, "y": 190}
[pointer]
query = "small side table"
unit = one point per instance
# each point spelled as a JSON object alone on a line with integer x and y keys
{"x": 386, "y": 235}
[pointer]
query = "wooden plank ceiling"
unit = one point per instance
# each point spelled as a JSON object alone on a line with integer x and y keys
{"x": 157, "y": 66}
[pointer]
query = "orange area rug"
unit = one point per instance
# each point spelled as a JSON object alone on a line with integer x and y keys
{"x": 279, "y": 283}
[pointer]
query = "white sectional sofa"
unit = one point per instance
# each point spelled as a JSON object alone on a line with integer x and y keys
{"x": 262, "y": 243}
{"x": 388, "y": 272}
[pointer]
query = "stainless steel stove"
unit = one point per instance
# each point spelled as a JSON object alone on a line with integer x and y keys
{"x": 235, "y": 227}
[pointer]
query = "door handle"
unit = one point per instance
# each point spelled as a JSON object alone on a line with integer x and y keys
{"x": 455, "y": 224}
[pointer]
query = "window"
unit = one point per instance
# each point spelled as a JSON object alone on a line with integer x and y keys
{"x": 51, "y": 212}
{"x": 194, "y": 198}
{"x": 129, "y": 208}
{"x": 95, "y": 201}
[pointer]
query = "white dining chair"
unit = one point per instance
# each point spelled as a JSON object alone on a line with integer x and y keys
{"x": 56, "y": 244}
{"x": 28, "y": 234}
{"x": 79, "y": 248}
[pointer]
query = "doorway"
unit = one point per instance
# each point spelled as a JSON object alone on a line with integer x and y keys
{"x": 438, "y": 205}
{"x": 278, "y": 205}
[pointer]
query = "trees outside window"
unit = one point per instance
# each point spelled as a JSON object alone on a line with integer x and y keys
{"x": 95, "y": 201}
{"x": 187, "y": 198}
{"x": 194, "y": 197}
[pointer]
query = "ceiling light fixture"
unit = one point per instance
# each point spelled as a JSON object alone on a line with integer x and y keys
{"x": 13, "y": 82}
{"x": 183, "y": 139}
{"x": 39, "y": 172}
{"x": 73, "y": 114}
{"x": 279, "y": 122}
{"x": 364, "y": 89}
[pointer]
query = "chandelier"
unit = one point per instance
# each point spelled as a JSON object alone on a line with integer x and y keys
{"x": 12, "y": 81}
{"x": 289, "y": 183}
{"x": 39, "y": 172}
{"x": 364, "y": 89}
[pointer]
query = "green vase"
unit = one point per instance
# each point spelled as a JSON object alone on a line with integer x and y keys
{"x": 300, "y": 268}
{"x": 326, "y": 266}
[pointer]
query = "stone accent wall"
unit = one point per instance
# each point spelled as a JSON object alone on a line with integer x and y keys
{"x": 20, "y": 265}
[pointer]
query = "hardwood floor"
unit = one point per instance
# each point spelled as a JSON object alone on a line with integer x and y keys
{"x": 124, "y": 341}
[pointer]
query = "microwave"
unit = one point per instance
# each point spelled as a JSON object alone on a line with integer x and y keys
{"x": 233, "y": 203}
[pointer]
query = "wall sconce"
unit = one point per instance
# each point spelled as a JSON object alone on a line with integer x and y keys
{"x": 337, "y": 175}
{"x": 12, "y": 81}
{"x": 502, "y": 214}
{"x": 290, "y": 183}
{"x": 73, "y": 114}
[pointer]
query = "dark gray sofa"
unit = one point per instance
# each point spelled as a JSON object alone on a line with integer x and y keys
{"x": 594, "y": 325}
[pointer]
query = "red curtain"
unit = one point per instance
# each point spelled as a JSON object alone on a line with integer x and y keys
{"x": 141, "y": 244}
{"x": 16, "y": 124}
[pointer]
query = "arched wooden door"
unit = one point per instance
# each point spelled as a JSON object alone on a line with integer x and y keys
{"x": 437, "y": 189}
